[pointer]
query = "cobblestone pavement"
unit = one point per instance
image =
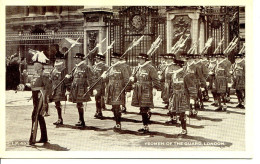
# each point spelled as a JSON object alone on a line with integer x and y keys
{"x": 211, "y": 130}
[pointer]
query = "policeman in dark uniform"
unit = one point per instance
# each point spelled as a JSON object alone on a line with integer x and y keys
{"x": 98, "y": 69}
{"x": 56, "y": 76}
{"x": 41, "y": 86}
{"x": 80, "y": 80}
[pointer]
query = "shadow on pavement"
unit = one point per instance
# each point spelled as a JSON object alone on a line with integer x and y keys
{"x": 228, "y": 111}
{"x": 207, "y": 118}
{"x": 151, "y": 122}
{"x": 153, "y": 113}
{"x": 83, "y": 128}
{"x": 50, "y": 146}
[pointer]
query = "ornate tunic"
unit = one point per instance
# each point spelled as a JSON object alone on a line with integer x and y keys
{"x": 204, "y": 72}
{"x": 211, "y": 74}
{"x": 98, "y": 69}
{"x": 82, "y": 78}
{"x": 220, "y": 84}
{"x": 146, "y": 79}
{"x": 179, "y": 101}
{"x": 166, "y": 79}
{"x": 239, "y": 75}
{"x": 117, "y": 79}
{"x": 191, "y": 80}
{"x": 56, "y": 75}
{"x": 123, "y": 63}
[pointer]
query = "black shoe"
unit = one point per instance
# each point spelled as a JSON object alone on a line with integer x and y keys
{"x": 117, "y": 127}
{"x": 227, "y": 99}
{"x": 172, "y": 121}
{"x": 166, "y": 107}
{"x": 58, "y": 122}
{"x": 99, "y": 115}
{"x": 214, "y": 104}
{"x": 242, "y": 107}
{"x": 80, "y": 124}
{"x": 31, "y": 143}
{"x": 42, "y": 141}
{"x": 123, "y": 109}
{"x": 219, "y": 109}
{"x": 183, "y": 133}
{"x": 197, "y": 106}
{"x": 103, "y": 109}
{"x": 238, "y": 106}
{"x": 194, "y": 113}
{"x": 206, "y": 98}
{"x": 143, "y": 130}
{"x": 46, "y": 114}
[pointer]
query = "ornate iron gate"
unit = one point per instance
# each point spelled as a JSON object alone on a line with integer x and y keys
{"x": 132, "y": 23}
{"x": 222, "y": 23}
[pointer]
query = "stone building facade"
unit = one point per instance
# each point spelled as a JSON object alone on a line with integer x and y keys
{"x": 45, "y": 28}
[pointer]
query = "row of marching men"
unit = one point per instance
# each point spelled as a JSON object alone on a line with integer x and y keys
{"x": 183, "y": 78}
{"x": 203, "y": 73}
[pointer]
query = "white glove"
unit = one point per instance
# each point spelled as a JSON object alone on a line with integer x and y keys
{"x": 210, "y": 73}
{"x": 94, "y": 92}
{"x": 132, "y": 79}
{"x": 202, "y": 89}
{"x": 68, "y": 76}
{"x": 160, "y": 76}
{"x": 128, "y": 94}
{"x": 104, "y": 75}
{"x": 154, "y": 92}
{"x": 229, "y": 84}
{"x": 207, "y": 83}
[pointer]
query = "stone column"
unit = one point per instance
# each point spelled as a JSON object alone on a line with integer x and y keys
{"x": 170, "y": 17}
{"x": 50, "y": 10}
{"x": 33, "y": 10}
{"x": 64, "y": 10}
{"x": 93, "y": 21}
{"x": 194, "y": 27}
{"x": 202, "y": 36}
{"x": 59, "y": 10}
{"x": 192, "y": 13}
{"x": 26, "y": 10}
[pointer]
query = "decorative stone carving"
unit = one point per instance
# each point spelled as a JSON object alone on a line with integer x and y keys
{"x": 181, "y": 25}
{"x": 92, "y": 19}
{"x": 137, "y": 22}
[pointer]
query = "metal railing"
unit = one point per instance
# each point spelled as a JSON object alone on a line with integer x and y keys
{"x": 44, "y": 36}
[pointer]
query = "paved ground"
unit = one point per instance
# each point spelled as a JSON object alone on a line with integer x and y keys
{"x": 209, "y": 131}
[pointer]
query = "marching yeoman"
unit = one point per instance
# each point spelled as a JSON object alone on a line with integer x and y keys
{"x": 145, "y": 80}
